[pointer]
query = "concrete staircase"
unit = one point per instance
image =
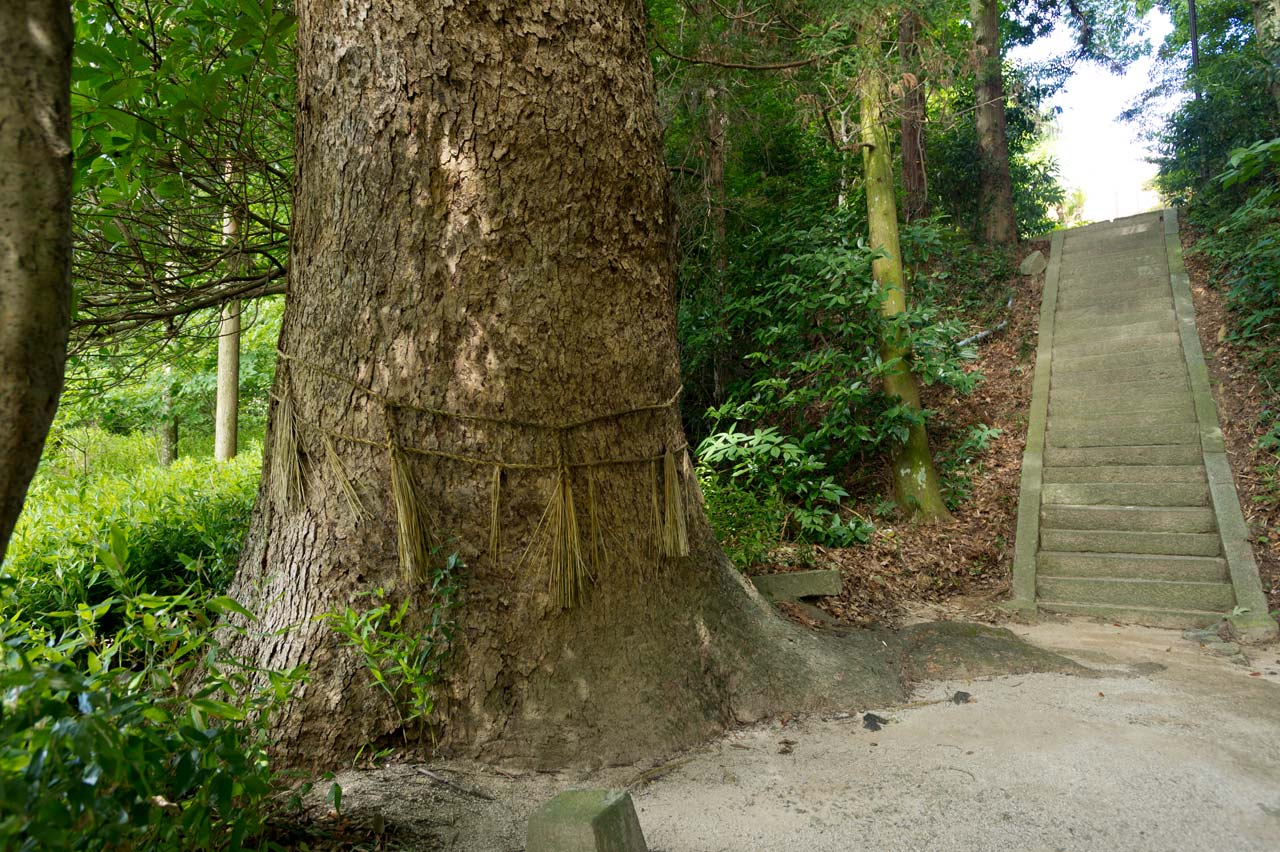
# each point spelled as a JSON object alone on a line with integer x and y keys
{"x": 1124, "y": 513}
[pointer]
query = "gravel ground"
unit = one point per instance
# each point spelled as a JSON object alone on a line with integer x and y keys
{"x": 1167, "y": 746}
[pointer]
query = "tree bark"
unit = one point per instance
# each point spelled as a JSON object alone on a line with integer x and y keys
{"x": 35, "y": 236}
{"x": 917, "y": 487}
{"x": 995, "y": 186}
{"x": 482, "y": 227}
{"x": 915, "y": 181}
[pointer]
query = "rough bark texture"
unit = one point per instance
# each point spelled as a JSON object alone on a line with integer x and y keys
{"x": 481, "y": 225}
{"x": 916, "y": 483}
{"x": 995, "y": 189}
{"x": 35, "y": 236}
{"x": 915, "y": 183}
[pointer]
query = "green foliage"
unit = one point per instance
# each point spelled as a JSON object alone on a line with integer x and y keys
{"x": 125, "y": 723}
{"x": 183, "y": 523}
{"x": 765, "y": 487}
{"x": 402, "y": 654}
{"x": 959, "y": 463}
{"x": 954, "y": 164}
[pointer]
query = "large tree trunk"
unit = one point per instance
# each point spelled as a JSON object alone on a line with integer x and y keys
{"x": 915, "y": 182}
{"x": 35, "y": 236}
{"x": 482, "y": 227}
{"x": 995, "y": 186}
{"x": 917, "y": 487}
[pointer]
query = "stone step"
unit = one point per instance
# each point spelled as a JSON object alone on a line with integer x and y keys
{"x": 1126, "y": 473}
{"x": 1169, "y": 369}
{"x": 1139, "y": 336}
{"x": 1102, "y": 297}
{"x": 1149, "y": 616}
{"x": 1103, "y": 395}
{"x": 1126, "y": 493}
{"x": 1132, "y": 404}
{"x": 1119, "y": 360}
{"x": 1135, "y": 305}
{"x": 1102, "y": 417}
{"x": 1157, "y": 594}
{"x": 1127, "y": 541}
{"x": 1069, "y": 282}
{"x": 1131, "y": 318}
{"x": 1114, "y": 248}
{"x": 1169, "y": 454}
{"x": 1131, "y": 518}
{"x": 1133, "y": 566}
{"x": 1123, "y": 436}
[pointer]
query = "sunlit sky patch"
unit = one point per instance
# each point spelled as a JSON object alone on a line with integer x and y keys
{"x": 1097, "y": 152}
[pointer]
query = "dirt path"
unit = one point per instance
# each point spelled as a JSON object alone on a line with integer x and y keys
{"x": 1166, "y": 747}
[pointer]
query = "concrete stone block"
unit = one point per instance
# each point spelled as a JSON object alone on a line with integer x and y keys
{"x": 1117, "y": 541}
{"x": 1171, "y": 454}
{"x": 1128, "y": 518}
{"x": 1135, "y": 566}
{"x": 798, "y": 584}
{"x": 1161, "y": 594}
{"x": 1143, "y": 335}
{"x": 1127, "y": 493}
{"x": 586, "y": 821}
{"x": 1033, "y": 264}
{"x": 1132, "y": 473}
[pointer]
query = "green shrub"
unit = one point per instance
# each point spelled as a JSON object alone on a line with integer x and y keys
{"x": 184, "y": 524}
{"x": 144, "y": 735}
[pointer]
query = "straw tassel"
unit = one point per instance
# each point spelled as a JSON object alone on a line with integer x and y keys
{"x": 657, "y": 508}
{"x": 675, "y": 525}
{"x": 413, "y": 533}
{"x": 340, "y": 473}
{"x": 495, "y": 496}
{"x": 286, "y": 461}
{"x": 569, "y": 572}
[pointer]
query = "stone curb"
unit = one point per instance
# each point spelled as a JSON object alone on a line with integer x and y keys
{"x": 1254, "y": 624}
{"x": 1027, "y": 537}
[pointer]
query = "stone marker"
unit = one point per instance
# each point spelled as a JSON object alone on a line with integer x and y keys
{"x": 798, "y": 584}
{"x": 586, "y": 821}
{"x": 1033, "y": 264}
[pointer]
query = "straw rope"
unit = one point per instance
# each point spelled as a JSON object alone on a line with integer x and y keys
{"x": 558, "y": 532}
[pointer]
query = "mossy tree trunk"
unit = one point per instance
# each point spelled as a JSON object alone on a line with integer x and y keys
{"x": 995, "y": 185}
{"x": 35, "y": 236}
{"x": 482, "y": 227}
{"x": 917, "y": 487}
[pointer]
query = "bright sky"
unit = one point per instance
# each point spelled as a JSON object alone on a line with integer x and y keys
{"x": 1096, "y": 151}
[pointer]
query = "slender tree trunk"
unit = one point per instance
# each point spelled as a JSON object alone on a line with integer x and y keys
{"x": 916, "y": 484}
{"x": 915, "y": 181}
{"x": 995, "y": 187}
{"x": 227, "y": 410}
{"x": 482, "y": 228}
{"x": 167, "y": 431}
{"x": 226, "y": 417}
{"x": 35, "y": 236}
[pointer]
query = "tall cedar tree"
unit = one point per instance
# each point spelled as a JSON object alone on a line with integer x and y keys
{"x": 482, "y": 227}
